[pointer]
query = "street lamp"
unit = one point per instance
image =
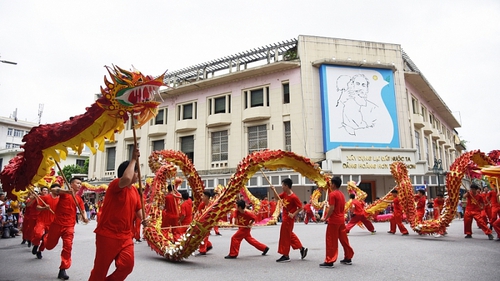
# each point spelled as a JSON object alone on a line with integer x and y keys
{"x": 438, "y": 171}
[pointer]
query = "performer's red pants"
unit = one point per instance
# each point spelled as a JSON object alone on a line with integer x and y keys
{"x": 479, "y": 220}
{"x": 206, "y": 244}
{"x": 67, "y": 233}
{"x": 243, "y": 233}
{"x": 288, "y": 238}
{"x": 171, "y": 221}
{"x": 397, "y": 220}
{"x": 334, "y": 234}
{"x": 111, "y": 249}
{"x": 137, "y": 229}
{"x": 420, "y": 215}
{"x": 28, "y": 226}
{"x": 40, "y": 229}
{"x": 309, "y": 216}
{"x": 359, "y": 218}
{"x": 495, "y": 219}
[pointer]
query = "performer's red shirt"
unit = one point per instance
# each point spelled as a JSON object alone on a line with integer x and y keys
{"x": 492, "y": 196}
{"x": 359, "y": 207}
{"x": 291, "y": 204}
{"x": 398, "y": 209}
{"x": 307, "y": 208}
{"x": 245, "y": 218}
{"x": 118, "y": 211}
{"x": 66, "y": 210}
{"x": 337, "y": 200}
{"x": 171, "y": 206}
{"x": 272, "y": 207}
{"x": 438, "y": 203}
{"x": 31, "y": 211}
{"x": 474, "y": 202}
{"x": 420, "y": 202}
{"x": 187, "y": 211}
{"x": 46, "y": 216}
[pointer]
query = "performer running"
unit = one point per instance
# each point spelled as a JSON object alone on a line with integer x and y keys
{"x": 244, "y": 219}
{"x": 309, "y": 213}
{"x": 30, "y": 217}
{"x": 495, "y": 209}
{"x": 336, "y": 229}
{"x": 420, "y": 198}
{"x": 397, "y": 215}
{"x": 359, "y": 215}
{"x": 44, "y": 218}
{"x": 63, "y": 225}
{"x": 206, "y": 245}
{"x": 291, "y": 207}
{"x": 114, "y": 232}
{"x": 170, "y": 213}
{"x": 473, "y": 209}
{"x": 186, "y": 212}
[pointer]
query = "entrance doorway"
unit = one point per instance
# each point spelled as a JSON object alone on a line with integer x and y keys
{"x": 369, "y": 188}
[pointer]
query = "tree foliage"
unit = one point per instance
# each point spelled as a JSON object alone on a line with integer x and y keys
{"x": 68, "y": 170}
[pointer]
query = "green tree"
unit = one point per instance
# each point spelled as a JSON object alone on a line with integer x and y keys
{"x": 74, "y": 169}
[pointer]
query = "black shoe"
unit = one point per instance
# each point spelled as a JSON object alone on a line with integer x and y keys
{"x": 390, "y": 232}
{"x": 373, "y": 232}
{"x": 326, "y": 265}
{"x": 346, "y": 261}
{"x": 405, "y": 234}
{"x": 468, "y": 236}
{"x": 490, "y": 237}
{"x": 24, "y": 242}
{"x": 62, "y": 274}
{"x": 209, "y": 248}
{"x": 29, "y": 244}
{"x": 283, "y": 259}
{"x": 228, "y": 257}
{"x": 218, "y": 234}
{"x": 303, "y": 253}
{"x": 34, "y": 250}
{"x": 39, "y": 255}
{"x": 138, "y": 240}
{"x": 265, "y": 251}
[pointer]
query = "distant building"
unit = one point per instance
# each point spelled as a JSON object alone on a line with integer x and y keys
{"x": 352, "y": 106}
{"x": 11, "y": 135}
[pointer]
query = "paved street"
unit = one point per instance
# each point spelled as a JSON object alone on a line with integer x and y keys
{"x": 377, "y": 257}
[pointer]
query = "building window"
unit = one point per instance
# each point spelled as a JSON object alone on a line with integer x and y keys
{"x": 110, "y": 158}
{"x": 288, "y": 136}
{"x": 12, "y": 145}
{"x": 286, "y": 93}
{"x": 257, "y": 97}
{"x": 187, "y": 146}
{"x": 130, "y": 150}
{"x": 10, "y": 131}
{"x": 257, "y": 138}
{"x": 18, "y": 133}
{"x": 417, "y": 144}
{"x": 426, "y": 149}
{"x": 424, "y": 113}
{"x": 220, "y": 104}
{"x": 431, "y": 120}
{"x": 187, "y": 111}
{"x": 80, "y": 162}
{"x": 414, "y": 105}
{"x": 160, "y": 118}
{"x": 158, "y": 145}
{"x": 435, "y": 149}
{"x": 220, "y": 146}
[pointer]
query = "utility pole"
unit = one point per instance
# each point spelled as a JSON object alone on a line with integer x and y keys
{"x": 40, "y": 111}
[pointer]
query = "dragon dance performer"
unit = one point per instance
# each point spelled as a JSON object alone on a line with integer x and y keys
{"x": 438, "y": 205}
{"x": 336, "y": 229}
{"x": 63, "y": 225}
{"x": 397, "y": 215}
{"x": 170, "y": 213}
{"x": 291, "y": 207}
{"x": 309, "y": 213}
{"x": 473, "y": 209}
{"x": 114, "y": 231}
{"x": 495, "y": 210}
{"x": 44, "y": 218}
{"x": 420, "y": 199}
{"x": 186, "y": 212}
{"x": 359, "y": 215}
{"x": 206, "y": 245}
{"x": 486, "y": 212}
{"x": 244, "y": 219}
{"x": 30, "y": 217}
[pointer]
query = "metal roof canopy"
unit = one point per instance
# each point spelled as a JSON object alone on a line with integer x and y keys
{"x": 200, "y": 71}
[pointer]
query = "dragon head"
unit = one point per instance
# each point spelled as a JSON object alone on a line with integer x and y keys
{"x": 130, "y": 92}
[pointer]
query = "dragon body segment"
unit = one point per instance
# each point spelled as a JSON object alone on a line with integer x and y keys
{"x": 129, "y": 92}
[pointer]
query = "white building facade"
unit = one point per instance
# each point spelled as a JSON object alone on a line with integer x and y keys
{"x": 352, "y": 106}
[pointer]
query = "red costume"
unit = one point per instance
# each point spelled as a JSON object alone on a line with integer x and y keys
{"x": 30, "y": 217}
{"x": 63, "y": 227}
{"x": 170, "y": 215}
{"x": 272, "y": 207}
{"x": 44, "y": 220}
{"x": 336, "y": 229}
{"x": 438, "y": 206}
{"x": 287, "y": 238}
{"x": 473, "y": 211}
{"x": 114, "y": 233}
{"x": 207, "y": 245}
{"x": 397, "y": 217}
{"x": 359, "y": 216}
{"x": 495, "y": 211}
{"x": 186, "y": 214}
{"x": 243, "y": 220}
{"x": 265, "y": 208}
{"x": 420, "y": 199}
{"x": 309, "y": 214}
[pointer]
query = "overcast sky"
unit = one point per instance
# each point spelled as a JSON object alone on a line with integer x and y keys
{"x": 61, "y": 47}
